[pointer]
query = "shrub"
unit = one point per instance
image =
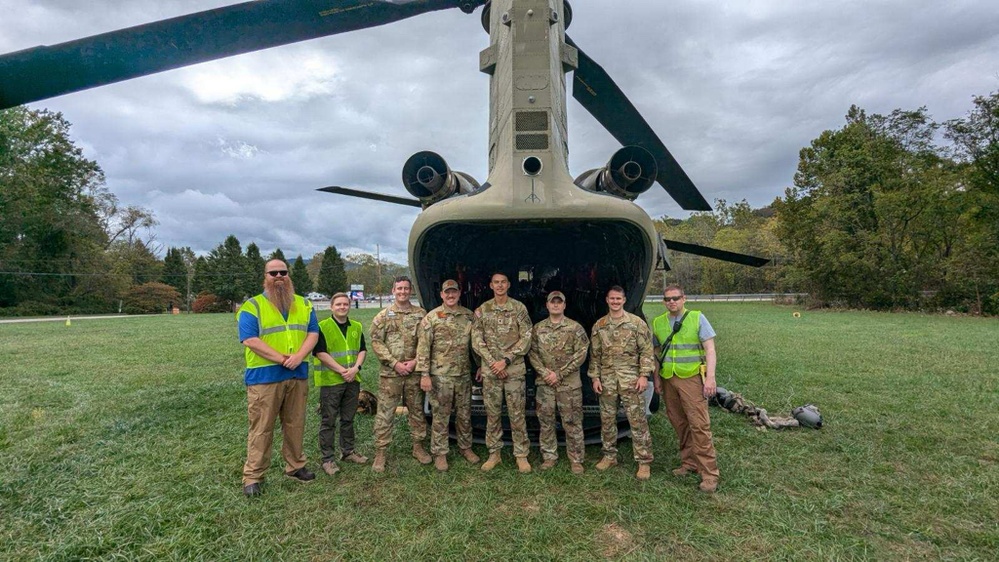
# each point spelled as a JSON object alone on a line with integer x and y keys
{"x": 207, "y": 302}
{"x": 150, "y": 298}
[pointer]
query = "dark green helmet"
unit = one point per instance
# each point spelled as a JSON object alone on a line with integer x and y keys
{"x": 808, "y": 416}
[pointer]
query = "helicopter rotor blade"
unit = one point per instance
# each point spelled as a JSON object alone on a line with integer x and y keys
{"x": 48, "y": 71}
{"x": 596, "y": 91}
{"x": 370, "y": 195}
{"x": 714, "y": 253}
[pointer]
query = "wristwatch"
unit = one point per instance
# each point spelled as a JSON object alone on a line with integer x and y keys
{"x": 507, "y": 361}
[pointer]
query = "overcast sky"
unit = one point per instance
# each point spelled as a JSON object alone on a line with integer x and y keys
{"x": 734, "y": 89}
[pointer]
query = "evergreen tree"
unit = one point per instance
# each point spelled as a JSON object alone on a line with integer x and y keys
{"x": 201, "y": 280}
{"x": 175, "y": 270}
{"x": 277, "y": 255}
{"x": 300, "y": 277}
{"x": 332, "y": 275}
{"x": 228, "y": 268}
{"x": 254, "y": 269}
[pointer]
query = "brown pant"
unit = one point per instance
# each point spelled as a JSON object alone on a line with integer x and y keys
{"x": 687, "y": 410}
{"x": 264, "y": 403}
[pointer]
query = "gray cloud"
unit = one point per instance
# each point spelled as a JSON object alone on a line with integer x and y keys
{"x": 735, "y": 89}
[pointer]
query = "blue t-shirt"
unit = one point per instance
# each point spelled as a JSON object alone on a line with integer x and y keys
{"x": 250, "y": 328}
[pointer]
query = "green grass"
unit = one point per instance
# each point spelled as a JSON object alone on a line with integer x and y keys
{"x": 124, "y": 439}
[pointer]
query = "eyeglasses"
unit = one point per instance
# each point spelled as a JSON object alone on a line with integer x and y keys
{"x": 673, "y": 299}
{"x": 278, "y": 273}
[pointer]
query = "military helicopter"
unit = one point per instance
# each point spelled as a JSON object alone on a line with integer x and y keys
{"x": 545, "y": 229}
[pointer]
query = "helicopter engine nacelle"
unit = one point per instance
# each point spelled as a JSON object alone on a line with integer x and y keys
{"x": 631, "y": 171}
{"x": 427, "y": 177}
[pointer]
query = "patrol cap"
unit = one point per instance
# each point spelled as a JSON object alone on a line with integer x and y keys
{"x": 450, "y": 284}
{"x": 555, "y": 295}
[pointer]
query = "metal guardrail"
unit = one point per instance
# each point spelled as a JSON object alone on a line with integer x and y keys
{"x": 745, "y": 297}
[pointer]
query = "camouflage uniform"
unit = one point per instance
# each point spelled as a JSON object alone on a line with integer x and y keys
{"x": 393, "y": 339}
{"x": 561, "y": 348}
{"x": 621, "y": 351}
{"x": 443, "y": 353}
{"x": 504, "y": 332}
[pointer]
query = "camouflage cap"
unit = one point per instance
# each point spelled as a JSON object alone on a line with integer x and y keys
{"x": 450, "y": 284}
{"x": 555, "y": 295}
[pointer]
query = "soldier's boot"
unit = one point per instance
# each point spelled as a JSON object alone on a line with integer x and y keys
{"x": 606, "y": 463}
{"x": 492, "y": 462}
{"x": 420, "y": 454}
{"x": 549, "y": 464}
{"x": 470, "y": 456}
{"x": 577, "y": 468}
{"x": 683, "y": 471}
{"x": 379, "y": 464}
{"x": 440, "y": 463}
{"x": 523, "y": 465}
{"x": 708, "y": 486}
{"x": 644, "y": 472}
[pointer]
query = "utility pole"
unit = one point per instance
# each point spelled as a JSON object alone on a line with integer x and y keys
{"x": 378, "y": 268}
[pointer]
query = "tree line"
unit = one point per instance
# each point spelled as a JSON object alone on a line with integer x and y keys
{"x": 890, "y": 211}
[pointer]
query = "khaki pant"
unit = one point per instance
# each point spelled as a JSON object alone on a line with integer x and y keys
{"x": 634, "y": 407}
{"x": 687, "y": 410}
{"x": 264, "y": 404}
{"x": 493, "y": 391}
{"x": 570, "y": 409}
{"x": 393, "y": 391}
{"x": 450, "y": 395}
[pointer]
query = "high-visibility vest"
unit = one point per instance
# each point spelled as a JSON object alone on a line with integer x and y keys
{"x": 285, "y": 336}
{"x": 685, "y": 354}
{"x": 343, "y": 350}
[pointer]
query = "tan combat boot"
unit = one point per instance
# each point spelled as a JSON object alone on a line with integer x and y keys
{"x": 644, "y": 472}
{"x": 683, "y": 471}
{"x": 379, "y": 464}
{"x": 420, "y": 454}
{"x": 470, "y": 456}
{"x": 549, "y": 464}
{"x": 708, "y": 486}
{"x": 606, "y": 463}
{"x": 523, "y": 465}
{"x": 577, "y": 468}
{"x": 491, "y": 462}
{"x": 440, "y": 463}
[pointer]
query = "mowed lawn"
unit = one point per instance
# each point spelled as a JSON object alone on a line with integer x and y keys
{"x": 124, "y": 439}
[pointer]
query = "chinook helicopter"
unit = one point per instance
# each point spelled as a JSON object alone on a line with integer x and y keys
{"x": 529, "y": 218}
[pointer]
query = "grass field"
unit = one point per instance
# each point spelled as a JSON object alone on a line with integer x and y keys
{"x": 124, "y": 439}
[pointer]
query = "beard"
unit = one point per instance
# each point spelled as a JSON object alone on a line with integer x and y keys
{"x": 280, "y": 291}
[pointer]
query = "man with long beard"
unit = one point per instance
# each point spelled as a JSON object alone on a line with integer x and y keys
{"x": 278, "y": 330}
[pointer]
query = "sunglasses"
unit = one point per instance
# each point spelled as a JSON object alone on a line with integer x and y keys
{"x": 673, "y": 299}
{"x": 278, "y": 273}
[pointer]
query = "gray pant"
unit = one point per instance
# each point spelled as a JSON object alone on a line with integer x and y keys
{"x": 337, "y": 402}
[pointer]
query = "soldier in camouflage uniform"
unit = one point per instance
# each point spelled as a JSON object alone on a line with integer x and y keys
{"x": 621, "y": 362}
{"x": 393, "y": 339}
{"x": 444, "y": 363}
{"x": 558, "y": 349}
{"x": 501, "y": 337}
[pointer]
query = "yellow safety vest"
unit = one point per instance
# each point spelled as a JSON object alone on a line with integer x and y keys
{"x": 685, "y": 354}
{"x": 343, "y": 350}
{"x": 285, "y": 336}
